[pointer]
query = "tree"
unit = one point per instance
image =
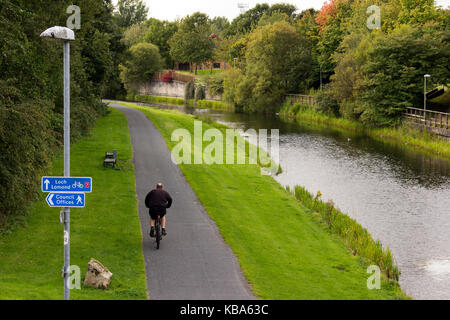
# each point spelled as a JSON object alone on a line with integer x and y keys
{"x": 130, "y": 12}
{"x": 417, "y": 11}
{"x": 278, "y": 60}
{"x": 332, "y": 25}
{"x": 219, "y": 25}
{"x": 307, "y": 27}
{"x": 347, "y": 82}
{"x": 31, "y": 103}
{"x": 395, "y": 68}
{"x": 134, "y": 34}
{"x": 236, "y": 90}
{"x": 286, "y": 8}
{"x": 192, "y": 42}
{"x": 237, "y": 50}
{"x": 271, "y": 18}
{"x": 327, "y": 12}
{"x": 248, "y": 20}
{"x": 143, "y": 60}
{"x": 158, "y": 33}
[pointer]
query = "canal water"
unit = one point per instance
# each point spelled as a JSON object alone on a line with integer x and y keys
{"x": 401, "y": 196}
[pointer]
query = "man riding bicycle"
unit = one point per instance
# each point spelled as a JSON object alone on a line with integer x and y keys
{"x": 158, "y": 200}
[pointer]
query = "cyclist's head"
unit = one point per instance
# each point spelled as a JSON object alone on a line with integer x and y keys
{"x": 159, "y": 186}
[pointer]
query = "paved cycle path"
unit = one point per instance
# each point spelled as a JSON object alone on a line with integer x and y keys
{"x": 193, "y": 262}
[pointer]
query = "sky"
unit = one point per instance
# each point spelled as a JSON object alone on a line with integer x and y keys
{"x": 173, "y": 9}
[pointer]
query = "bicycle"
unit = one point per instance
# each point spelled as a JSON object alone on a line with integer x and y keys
{"x": 158, "y": 232}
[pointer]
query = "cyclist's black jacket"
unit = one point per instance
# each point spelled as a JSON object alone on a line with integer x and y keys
{"x": 158, "y": 198}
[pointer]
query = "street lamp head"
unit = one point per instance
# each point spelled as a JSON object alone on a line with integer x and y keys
{"x": 427, "y": 76}
{"x": 61, "y": 33}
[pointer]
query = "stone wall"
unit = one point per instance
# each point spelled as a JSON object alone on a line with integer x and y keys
{"x": 158, "y": 88}
{"x": 174, "y": 89}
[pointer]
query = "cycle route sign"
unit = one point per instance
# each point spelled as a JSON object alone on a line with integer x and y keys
{"x": 66, "y": 192}
{"x": 65, "y": 200}
{"x": 66, "y": 184}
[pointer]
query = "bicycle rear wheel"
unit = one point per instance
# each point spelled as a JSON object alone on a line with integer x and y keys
{"x": 158, "y": 233}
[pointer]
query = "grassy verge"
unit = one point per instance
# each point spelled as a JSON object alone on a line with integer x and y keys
{"x": 205, "y": 104}
{"x": 216, "y": 105}
{"x": 107, "y": 229}
{"x": 155, "y": 99}
{"x": 404, "y": 134}
{"x": 283, "y": 251}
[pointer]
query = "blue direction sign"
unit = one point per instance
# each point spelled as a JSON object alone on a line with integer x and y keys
{"x": 64, "y": 184}
{"x": 67, "y": 200}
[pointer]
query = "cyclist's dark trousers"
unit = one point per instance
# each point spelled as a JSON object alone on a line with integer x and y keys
{"x": 157, "y": 211}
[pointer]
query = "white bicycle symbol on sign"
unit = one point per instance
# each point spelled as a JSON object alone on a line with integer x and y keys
{"x": 78, "y": 185}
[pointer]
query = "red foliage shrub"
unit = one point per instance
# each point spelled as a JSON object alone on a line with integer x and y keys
{"x": 167, "y": 77}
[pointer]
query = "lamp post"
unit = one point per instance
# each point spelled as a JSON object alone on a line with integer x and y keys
{"x": 425, "y": 98}
{"x": 66, "y": 35}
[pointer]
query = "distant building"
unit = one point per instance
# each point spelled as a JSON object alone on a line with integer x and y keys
{"x": 215, "y": 65}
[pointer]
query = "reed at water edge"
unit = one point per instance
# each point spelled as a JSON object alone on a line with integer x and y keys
{"x": 355, "y": 237}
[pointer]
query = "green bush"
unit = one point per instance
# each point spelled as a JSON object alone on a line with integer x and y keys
{"x": 27, "y": 143}
{"x": 395, "y": 69}
{"x": 200, "y": 93}
{"x": 215, "y": 83}
{"x": 278, "y": 61}
{"x": 189, "y": 91}
{"x": 350, "y": 110}
{"x": 143, "y": 60}
{"x": 31, "y": 91}
{"x": 326, "y": 101}
{"x": 232, "y": 84}
{"x": 130, "y": 97}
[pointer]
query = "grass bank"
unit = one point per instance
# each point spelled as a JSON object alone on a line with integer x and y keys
{"x": 215, "y": 105}
{"x": 202, "y": 104}
{"x": 155, "y": 99}
{"x": 355, "y": 237}
{"x": 107, "y": 229}
{"x": 404, "y": 134}
{"x": 284, "y": 252}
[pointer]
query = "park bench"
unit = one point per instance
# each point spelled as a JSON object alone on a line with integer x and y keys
{"x": 110, "y": 158}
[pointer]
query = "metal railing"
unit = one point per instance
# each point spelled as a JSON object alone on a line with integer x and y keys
{"x": 301, "y": 98}
{"x": 428, "y": 118}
